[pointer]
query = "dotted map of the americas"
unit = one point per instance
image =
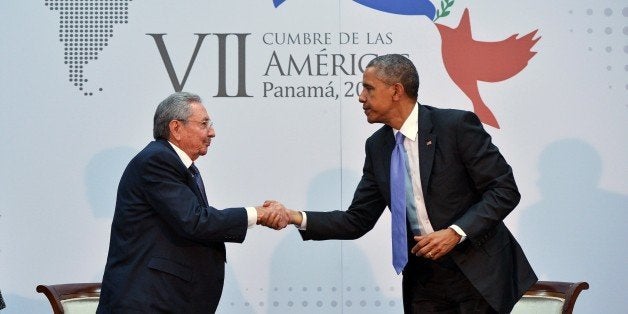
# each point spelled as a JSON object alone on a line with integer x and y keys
{"x": 85, "y": 27}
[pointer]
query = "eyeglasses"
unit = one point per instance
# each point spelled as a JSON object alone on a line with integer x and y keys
{"x": 206, "y": 125}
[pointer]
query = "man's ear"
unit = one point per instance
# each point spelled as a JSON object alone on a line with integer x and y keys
{"x": 398, "y": 92}
{"x": 175, "y": 129}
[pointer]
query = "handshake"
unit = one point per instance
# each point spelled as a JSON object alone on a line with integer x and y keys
{"x": 275, "y": 215}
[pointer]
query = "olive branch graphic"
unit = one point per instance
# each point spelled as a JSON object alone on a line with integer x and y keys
{"x": 445, "y": 5}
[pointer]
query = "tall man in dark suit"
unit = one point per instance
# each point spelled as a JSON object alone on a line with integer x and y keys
{"x": 167, "y": 252}
{"x": 457, "y": 256}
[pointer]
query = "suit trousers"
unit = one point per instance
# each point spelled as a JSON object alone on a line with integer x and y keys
{"x": 439, "y": 287}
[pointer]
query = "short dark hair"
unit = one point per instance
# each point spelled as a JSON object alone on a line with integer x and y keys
{"x": 174, "y": 107}
{"x": 395, "y": 68}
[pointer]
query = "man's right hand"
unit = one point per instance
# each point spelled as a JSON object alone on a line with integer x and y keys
{"x": 273, "y": 214}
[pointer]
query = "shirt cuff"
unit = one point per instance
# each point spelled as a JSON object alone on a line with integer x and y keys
{"x": 251, "y": 214}
{"x": 303, "y": 225}
{"x": 459, "y": 231}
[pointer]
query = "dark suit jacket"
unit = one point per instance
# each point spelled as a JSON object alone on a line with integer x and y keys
{"x": 465, "y": 181}
{"x": 2, "y": 305}
{"x": 166, "y": 252}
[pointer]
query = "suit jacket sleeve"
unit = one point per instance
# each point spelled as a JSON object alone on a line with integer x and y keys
{"x": 491, "y": 175}
{"x": 364, "y": 211}
{"x": 165, "y": 184}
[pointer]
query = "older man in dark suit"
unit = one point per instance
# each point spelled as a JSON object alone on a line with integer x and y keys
{"x": 449, "y": 190}
{"x": 167, "y": 252}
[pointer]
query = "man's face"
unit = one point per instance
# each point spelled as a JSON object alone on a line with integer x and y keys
{"x": 376, "y": 97}
{"x": 194, "y": 135}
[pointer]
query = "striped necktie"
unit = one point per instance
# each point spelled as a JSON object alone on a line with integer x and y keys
{"x": 199, "y": 182}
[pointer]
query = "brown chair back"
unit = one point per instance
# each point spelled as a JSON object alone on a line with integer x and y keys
{"x": 550, "y": 297}
{"x": 63, "y": 293}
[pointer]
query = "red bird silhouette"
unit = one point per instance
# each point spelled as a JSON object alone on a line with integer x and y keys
{"x": 468, "y": 61}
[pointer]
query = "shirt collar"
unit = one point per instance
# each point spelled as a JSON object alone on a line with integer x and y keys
{"x": 410, "y": 127}
{"x": 187, "y": 161}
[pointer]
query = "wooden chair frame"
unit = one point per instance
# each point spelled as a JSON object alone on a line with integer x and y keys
{"x": 564, "y": 290}
{"x": 60, "y": 292}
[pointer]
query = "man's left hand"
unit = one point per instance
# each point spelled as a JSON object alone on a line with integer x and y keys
{"x": 435, "y": 245}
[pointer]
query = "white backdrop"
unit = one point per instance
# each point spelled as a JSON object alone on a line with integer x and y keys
{"x": 563, "y": 125}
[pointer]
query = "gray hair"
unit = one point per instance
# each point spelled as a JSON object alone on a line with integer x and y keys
{"x": 174, "y": 107}
{"x": 395, "y": 68}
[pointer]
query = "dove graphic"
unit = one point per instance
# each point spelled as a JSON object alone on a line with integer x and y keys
{"x": 468, "y": 61}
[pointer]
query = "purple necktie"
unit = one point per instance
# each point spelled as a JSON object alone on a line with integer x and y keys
{"x": 199, "y": 182}
{"x": 398, "y": 204}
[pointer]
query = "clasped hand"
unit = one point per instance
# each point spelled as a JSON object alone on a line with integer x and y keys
{"x": 273, "y": 214}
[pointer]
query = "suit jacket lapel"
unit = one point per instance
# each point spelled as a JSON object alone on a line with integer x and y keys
{"x": 387, "y": 148}
{"x": 427, "y": 145}
{"x": 190, "y": 181}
